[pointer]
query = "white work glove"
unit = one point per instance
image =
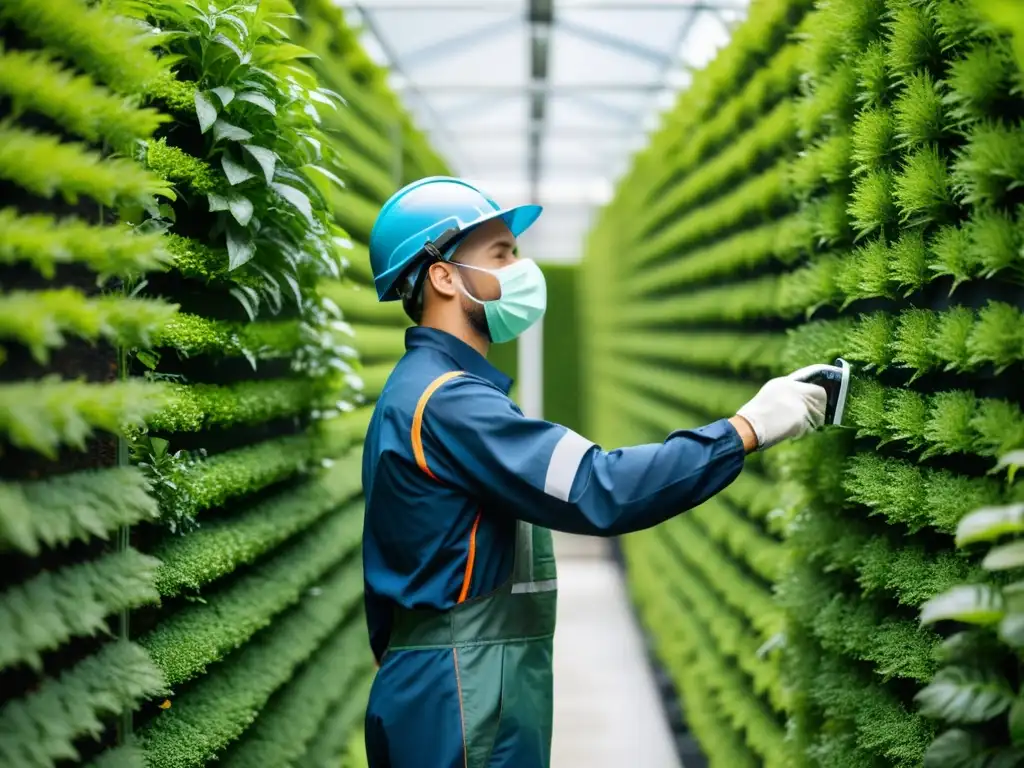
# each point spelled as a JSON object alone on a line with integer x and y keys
{"x": 785, "y": 408}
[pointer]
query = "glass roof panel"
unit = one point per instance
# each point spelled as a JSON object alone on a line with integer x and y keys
{"x": 500, "y": 60}
{"x": 464, "y": 67}
{"x": 506, "y": 112}
{"x": 576, "y": 60}
{"x": 420, "y": 28}
{"x": 656, "y": 30}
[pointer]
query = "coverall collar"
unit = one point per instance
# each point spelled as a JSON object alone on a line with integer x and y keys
{"x": 465, "y": 357}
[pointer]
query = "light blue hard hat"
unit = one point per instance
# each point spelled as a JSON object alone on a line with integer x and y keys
{"x": 430, "y": 216}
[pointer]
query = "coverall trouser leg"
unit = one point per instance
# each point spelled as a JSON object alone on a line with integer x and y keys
{"x": 471, "y": 687}
{"x": 495, "y": 712}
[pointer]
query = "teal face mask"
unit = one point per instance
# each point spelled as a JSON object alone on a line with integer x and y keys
{"x": 524, "y": 298}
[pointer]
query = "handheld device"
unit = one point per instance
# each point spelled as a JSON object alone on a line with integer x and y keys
{"x": 835, "y": 380}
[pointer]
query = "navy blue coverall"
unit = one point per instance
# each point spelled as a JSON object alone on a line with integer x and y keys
{"x": 447, "y": 477}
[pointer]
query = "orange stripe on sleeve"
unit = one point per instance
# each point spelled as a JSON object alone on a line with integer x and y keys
{"x": 417, "y": 420}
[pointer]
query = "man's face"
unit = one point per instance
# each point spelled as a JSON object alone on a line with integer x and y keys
{"x": 491, "y": 247}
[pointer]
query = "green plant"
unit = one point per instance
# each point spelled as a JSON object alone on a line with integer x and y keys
{"x": 267, "y": 169}
{"x": 72, "y": 507}
{"x": 173, "y": 156}
{"x": 892, "y": 239}
{"x": 971, "y": 688}
{"x": 46, "y": 611}
{"x": 209, "y": 715}
{"x": 44, "y": 726}
{"x": 194, "y": 637}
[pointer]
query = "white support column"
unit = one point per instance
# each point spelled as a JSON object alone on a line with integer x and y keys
{"x": 530, "y": 379}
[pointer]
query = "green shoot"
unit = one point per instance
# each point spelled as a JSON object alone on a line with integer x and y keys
{"x": 922, "y": 190}
{"x": 874, "y": 140}
{"x": 920, "y": 113}
{"x": 873, "y": 80}
{"x": 913, "y": 40}
{"x": 872, "y": 206}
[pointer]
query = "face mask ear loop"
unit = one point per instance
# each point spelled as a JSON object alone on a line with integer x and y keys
{"x": 462, "y": 285}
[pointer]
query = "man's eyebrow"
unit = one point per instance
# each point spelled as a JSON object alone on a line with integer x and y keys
{"x": 504, "y": 242}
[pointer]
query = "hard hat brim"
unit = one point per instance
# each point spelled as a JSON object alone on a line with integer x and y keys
{"x": 518, "y": 219}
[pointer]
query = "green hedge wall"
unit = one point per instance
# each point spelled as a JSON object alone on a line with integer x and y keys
{"x": 187, "y": 365}
{"x": 843, "y": 179}
{"x": 562, "y": 387}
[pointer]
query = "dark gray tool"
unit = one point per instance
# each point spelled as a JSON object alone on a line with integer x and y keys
{"x": 835, "y": 380}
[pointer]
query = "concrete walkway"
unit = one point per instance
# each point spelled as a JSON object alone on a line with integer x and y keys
{"x": 607, "y": 710}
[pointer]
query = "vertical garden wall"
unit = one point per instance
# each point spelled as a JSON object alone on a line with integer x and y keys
{"x": 844, "y": 179}
{"x": 183, "y": 194}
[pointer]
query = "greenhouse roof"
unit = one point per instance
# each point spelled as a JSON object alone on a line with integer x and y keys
{"x": 543, "y": 100}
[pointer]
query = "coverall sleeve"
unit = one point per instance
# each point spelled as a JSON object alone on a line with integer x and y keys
{"x": 544, "y": 473}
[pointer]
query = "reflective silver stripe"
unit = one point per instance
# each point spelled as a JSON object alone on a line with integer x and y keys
{"x": 564, "y": 463}
{"x": 530, "y": 587}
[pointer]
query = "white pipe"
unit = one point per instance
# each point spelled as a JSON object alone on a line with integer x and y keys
{"x": 530, "y": 376}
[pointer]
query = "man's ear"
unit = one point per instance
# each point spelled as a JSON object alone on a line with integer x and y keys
{"x": 440, "y": 278}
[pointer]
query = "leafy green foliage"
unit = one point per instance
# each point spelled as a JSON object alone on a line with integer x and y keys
{"x": 126, "y": 756}
{"x": 332, "y": 737}
{"x": 72, "y": 507}
{"x": 35, "y": 81}
{"x": 186, "y": 485}
{"x": 981, "y": 83}
{"x": 42, "y": 728}
{"x": 41, "y": 320}
{"x": 897, "y": 215}
{"x": 194, "y": 637}
{"x": 873, "y": 205}
{"x": 192, "y": 335}
{"x": 292, "y": 716}
{"x": 210, "y": 714}
{"x": 199, "y": 407}
{"x": 692, "y": 656}
{"x": 873, "y": 140}
{"x": 259, "y": 115}
{"x": 221, "y": 546}
{"x": 44, "y": 165}
{"x": 913, "y": 39}
{"x": 756, "y": 195}
{"x": 43, "y": 415}
{"x": 46, "y": 242}
{"x": 107, "y": 47}
{"x": 49, "y": 609}
{"x": 970, "y": 689}
{"x": 916, "y": 496}
{"x": 942, "y": 424}
{"x": 247, "y": 173}
{"x": 922, "y": 190}
{"x": 920, "y": 113}
{"x": 920, "y": 340}
{"x": 990, "y": 165}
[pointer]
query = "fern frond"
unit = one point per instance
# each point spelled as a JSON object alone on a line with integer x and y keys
{"x": 44, "y": 165}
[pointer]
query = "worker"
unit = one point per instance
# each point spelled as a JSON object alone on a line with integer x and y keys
{"x": 462, "y": 490}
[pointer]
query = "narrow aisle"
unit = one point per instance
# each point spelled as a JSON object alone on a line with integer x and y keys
{"x": 607, "y": 710}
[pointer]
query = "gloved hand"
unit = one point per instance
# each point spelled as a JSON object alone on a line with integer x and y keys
{"x": 784, "y": 408}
